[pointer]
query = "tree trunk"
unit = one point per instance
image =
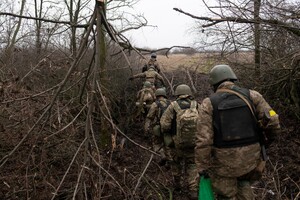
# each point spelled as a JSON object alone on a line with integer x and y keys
{"x": 257, "y": 53}
{"x": 11, "y": 45}
{"x": 38, "y": 23}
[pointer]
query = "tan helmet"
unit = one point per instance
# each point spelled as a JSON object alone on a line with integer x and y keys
{"x": 183, "y": 89}
{"x": 160, "y": 92}
{"x": 151, "y": 67}
{"x": 220, "y": 73}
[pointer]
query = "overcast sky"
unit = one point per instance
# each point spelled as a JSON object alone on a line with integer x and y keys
{"x": 173, "y": 28}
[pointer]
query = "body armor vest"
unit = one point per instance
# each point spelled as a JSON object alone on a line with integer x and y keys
{"x": 233, "y": 123}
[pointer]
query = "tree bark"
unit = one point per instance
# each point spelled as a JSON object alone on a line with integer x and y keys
{"x": 257, "y": 53}
{"x": 38, "y": 23}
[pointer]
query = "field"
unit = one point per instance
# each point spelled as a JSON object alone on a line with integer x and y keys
{"x": 181, "y": 61}
{"x": 201, "y": 62}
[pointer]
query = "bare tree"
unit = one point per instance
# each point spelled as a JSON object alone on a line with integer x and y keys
{"x": 12, "y": 40}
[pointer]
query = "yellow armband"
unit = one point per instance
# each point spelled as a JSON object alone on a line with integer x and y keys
{"x": 272, "y": 113}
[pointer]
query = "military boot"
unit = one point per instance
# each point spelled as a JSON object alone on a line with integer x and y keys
{"x": 177, "y": 184}
{"x": 193, "y": 195}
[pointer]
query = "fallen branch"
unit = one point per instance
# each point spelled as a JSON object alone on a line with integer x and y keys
{"x": 145, "y": 169}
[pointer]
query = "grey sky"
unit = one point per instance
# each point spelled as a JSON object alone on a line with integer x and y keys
{"x": 172, "y": 28}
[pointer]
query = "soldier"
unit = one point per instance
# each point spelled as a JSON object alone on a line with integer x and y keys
{"x": 152, "y": 123}
{"x": 152, "y": 62}
{"x": 180, "y": 119}
{"x": 145, "y": 97}
{"x": 150, "y": 75}
{"x": 228, "y": 139}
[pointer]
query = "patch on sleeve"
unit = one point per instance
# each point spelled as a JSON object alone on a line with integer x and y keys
{"x": 272, "y": 113}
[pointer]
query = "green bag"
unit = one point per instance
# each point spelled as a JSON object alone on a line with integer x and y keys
{"x": 156, "y": 130}
{"x": 168, "y": 140}
{"x": 205, "y": 189}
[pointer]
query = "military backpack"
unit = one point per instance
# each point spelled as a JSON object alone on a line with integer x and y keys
{"x": 147, "y": 95}
{"x": 186, "y": 124}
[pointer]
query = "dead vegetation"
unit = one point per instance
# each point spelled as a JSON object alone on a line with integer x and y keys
{"x": 46, "y": 155}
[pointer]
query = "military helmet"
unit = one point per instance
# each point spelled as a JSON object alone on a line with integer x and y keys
{"x": 220, "y": 73}
{"x": 153, "y": 55}
{"x": 183, "y": 89}
{"x": 160, "y": 92}
{"x": 147, "y": 84}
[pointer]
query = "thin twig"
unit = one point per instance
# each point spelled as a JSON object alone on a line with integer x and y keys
{"x": 144, "y": 171}
{"x": 191, "y": 81}
{"x": 37, "y": 65}
{"x": 69, "y": 167}
{"x": 82, "y": 109}
{"x": 108, "y": 174}
{"x": 141, "y": 146}
{"x": 77, "y": 183}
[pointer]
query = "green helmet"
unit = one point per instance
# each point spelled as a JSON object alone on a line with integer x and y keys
{"x": 220, "y": 73}
{"x": 183, "y": 89}
{"x": 160, "y": 92}
{"x": 147, "y": 84}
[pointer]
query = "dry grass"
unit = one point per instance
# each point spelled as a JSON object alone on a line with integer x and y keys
{"x": 200, "y": 62}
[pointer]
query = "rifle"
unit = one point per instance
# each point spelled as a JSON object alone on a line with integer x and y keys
{"x": 263, "y": 142}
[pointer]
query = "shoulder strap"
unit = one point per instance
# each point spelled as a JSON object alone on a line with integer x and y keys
{"x": 241, "y": 96}
{"x": 193, "y": 104}
{"x": 158, "y": 103}
{"x": 176, "y": 106}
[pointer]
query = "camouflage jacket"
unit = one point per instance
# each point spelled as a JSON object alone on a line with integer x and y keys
{"x": 229, "y": 162}
{"x": 150, "y": 75}
{"x": 154, "y": 63}
{"x": 153, "y": 116}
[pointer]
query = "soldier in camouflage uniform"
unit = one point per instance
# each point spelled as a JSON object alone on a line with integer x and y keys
{"x": 145, "y": 97}
{"x": 230, "y": 153}
{"x": 183, "y": 167}
{"x": 152, "y": 62}
{"x": 152, "y": 123}
{"x": 152, "y": 76}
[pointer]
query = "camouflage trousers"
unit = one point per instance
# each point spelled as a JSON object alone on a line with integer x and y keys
{"x": 184, "y": 169}
{"x": 231, "y": 188}
{"x": 160, "y": 148}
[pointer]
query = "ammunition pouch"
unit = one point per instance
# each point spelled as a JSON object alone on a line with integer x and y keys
{"x": 156, "y": 130}
{"x": 168, "y": 140}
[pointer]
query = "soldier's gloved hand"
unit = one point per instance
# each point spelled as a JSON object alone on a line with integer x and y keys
{"x": 131, "y": 78}
{"x": 204, "y": 174}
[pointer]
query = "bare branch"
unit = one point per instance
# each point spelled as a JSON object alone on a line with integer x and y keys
{"x": 272, "y": 22}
